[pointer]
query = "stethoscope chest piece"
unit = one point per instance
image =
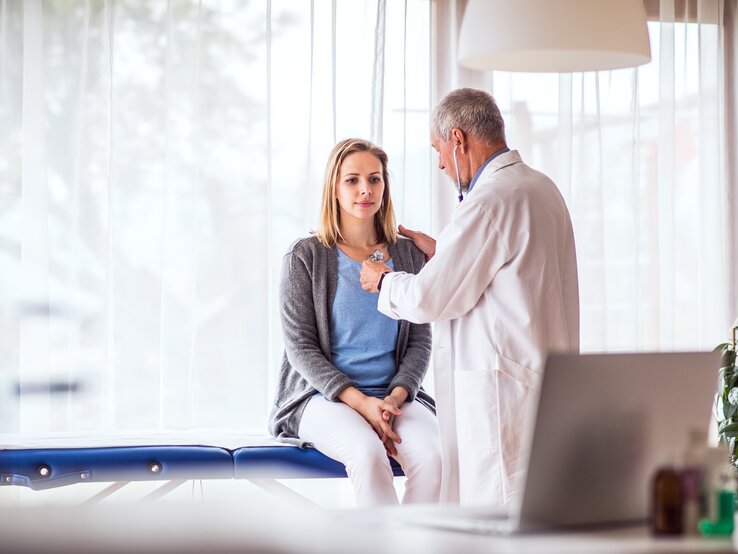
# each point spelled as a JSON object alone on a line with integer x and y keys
{"x": 377, "y": 255}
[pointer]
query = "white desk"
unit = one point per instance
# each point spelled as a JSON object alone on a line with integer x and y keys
{"x": 276, "y": 529}
{"x": 623, "y": 541}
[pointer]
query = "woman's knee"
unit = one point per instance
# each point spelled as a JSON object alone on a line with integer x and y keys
{"x": 369, "y": 460}
{"x": 423, "y": 460}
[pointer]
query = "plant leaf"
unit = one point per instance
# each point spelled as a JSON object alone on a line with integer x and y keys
{"x": 728, "y": 425}
{"x": 729, "y": 410}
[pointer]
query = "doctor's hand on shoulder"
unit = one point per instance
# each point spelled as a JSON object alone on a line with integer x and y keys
{"x": 425, "y": 243}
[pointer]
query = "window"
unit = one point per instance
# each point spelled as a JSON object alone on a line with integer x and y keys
{"x": 157, "y": 159}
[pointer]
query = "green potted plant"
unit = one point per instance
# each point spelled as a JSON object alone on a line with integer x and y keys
{"x": 726, "y": 408}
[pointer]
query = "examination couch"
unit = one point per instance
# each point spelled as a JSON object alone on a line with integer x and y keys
{"x": 60, "y": 461}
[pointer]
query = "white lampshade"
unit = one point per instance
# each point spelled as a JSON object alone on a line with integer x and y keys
{"x": 554, "y": 35}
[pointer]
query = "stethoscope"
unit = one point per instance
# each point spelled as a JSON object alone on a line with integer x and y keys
{"x": 456, "y": 167}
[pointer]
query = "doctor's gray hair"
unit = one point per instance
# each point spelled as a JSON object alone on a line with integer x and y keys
{"x": 473, "y": 111}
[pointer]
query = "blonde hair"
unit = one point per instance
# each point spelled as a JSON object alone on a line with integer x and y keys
{"x": 329, "y": 223}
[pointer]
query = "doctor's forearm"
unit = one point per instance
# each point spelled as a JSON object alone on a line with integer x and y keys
{"x": 394, "y": 303}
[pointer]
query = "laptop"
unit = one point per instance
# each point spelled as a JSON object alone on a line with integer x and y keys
{"x": 603, "y": 424}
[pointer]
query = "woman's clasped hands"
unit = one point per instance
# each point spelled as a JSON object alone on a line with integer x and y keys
{"x": 390, "y": 411}
{"x": 380, "y": 414}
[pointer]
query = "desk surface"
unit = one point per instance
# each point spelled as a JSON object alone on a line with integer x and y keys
{"x": 277, "y": 529}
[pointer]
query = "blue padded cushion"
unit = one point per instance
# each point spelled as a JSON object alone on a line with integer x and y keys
{"x": 65, "y": 466}
{"x": 284, "y": 462}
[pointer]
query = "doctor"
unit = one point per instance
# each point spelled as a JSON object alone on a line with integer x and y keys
{"x": 501, "y": 284}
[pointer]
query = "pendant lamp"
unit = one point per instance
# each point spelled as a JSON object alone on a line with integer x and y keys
{"x": 553, "y": 35}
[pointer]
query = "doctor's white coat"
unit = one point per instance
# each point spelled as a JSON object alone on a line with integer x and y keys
{"x": 503, "y": 292}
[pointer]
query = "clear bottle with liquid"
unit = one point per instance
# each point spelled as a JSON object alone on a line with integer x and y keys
{"x": 693, "y": 481}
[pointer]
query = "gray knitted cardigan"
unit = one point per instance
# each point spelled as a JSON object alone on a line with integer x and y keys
{"x": 307, "y": 289}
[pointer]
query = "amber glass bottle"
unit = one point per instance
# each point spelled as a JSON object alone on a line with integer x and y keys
{"x": 666, "y": 512}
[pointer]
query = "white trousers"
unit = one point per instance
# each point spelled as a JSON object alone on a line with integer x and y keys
{"x": 341, "y": 433}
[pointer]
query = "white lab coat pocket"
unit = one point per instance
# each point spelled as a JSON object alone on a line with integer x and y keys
{"x": 478, "y": 434}
{"x": 517, "y": 392}
{"x": 492, "y": 411}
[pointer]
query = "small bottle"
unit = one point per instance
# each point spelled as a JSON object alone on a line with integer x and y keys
{"x": 723, "y": 525}
{"x": 721, "y": 494}
{"x": 693, "y": 478}
{"x": 666, "y": 503}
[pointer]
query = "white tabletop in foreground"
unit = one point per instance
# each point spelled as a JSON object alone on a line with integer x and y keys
{"x": 278, "y": 528}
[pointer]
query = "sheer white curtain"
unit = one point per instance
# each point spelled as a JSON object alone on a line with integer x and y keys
{"x": 643, "y": 159}
{"x": 156, "y": 161}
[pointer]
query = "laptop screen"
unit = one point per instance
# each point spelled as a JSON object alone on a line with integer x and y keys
{"x": 604, "y": 423}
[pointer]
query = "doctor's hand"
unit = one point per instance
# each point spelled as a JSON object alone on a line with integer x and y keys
{"x": 371, "y": 273}
{"x": 425, "y": 243}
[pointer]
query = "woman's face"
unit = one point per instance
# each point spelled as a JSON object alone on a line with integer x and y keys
{"x": 360, "y": 185}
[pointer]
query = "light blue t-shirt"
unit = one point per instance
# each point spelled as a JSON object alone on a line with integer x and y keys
{"x": 363, "y": 340}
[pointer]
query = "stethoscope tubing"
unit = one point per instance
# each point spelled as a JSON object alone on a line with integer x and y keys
{"x": 458, "y": 179}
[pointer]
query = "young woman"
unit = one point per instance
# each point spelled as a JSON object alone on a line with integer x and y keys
{"x": 350, "y": 379}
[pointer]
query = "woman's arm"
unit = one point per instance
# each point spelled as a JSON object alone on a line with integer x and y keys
{"x": 300, "y": 330}
{"x": 414, "y": 364}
